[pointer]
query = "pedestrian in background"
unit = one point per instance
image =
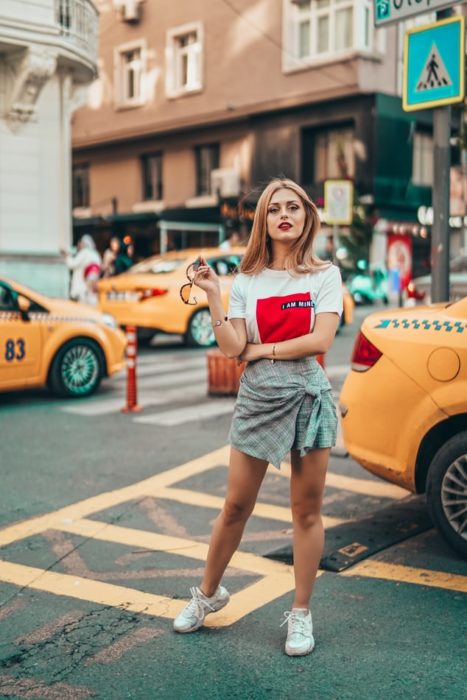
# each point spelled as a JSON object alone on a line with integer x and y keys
{"x": 85, "y": 268}
{"x": 284, "y": 310}
{"x": 124, "y": 259}
{"x": 109, "y": 257}
{"x": 231, "y": 242}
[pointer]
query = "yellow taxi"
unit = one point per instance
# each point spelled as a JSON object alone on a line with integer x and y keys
{"x": 148, "y": 295}
{"x": 404, "y": 407}
{"x": 68, "y": 346}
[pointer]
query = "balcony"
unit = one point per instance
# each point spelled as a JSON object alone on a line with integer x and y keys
{"x": 78, "y": 24}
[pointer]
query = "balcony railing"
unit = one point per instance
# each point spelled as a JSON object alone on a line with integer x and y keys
{"x": 78, "y": 21}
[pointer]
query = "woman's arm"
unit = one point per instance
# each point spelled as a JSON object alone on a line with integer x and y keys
{"x": 315, "y": 343}
{"x": 230, "y": 335}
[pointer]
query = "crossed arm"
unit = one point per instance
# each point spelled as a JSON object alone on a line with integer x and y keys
{"x": 231, "y": 338}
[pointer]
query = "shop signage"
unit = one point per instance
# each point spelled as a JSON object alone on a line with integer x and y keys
{"x": 389, "y": 11}
{"x": 434, "y": 65}
{"x": 338, "y": 202}
{"x": 400, "y": 258}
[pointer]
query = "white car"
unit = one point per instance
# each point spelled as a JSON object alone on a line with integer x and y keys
{"x": 420, "y": 288}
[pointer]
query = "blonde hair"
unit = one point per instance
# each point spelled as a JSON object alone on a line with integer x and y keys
{"x": 301, "y": 258}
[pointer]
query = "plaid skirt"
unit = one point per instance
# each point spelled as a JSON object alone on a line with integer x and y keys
{"x": 281, "y": 406}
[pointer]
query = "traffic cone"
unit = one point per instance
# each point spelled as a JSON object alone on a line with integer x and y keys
{"x": 131, "y": 355}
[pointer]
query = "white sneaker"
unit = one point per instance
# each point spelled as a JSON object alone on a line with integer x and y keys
{"x": 300, "y": 640}
{"x": 192, "y": 616}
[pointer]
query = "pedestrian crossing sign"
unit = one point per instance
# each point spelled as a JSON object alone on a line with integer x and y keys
{"x": 434, "y": 64}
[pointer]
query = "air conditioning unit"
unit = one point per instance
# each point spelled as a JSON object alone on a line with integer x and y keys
{"x": 225, "y": 182}
{"x": 130, "y": 10}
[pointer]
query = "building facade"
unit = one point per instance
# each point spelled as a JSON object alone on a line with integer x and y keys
{"x": 198, "y": 104}
{"x": 48, "y": 52}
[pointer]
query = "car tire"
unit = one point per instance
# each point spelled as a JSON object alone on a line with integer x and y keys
{"x": 200, "y": 333}
{"x": 446, "y": 491}
{"x": 77, "y": 369}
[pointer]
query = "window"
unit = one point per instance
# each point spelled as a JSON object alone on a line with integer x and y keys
{"x": 80, "y": 186}
{"x": 129, "y": 75}
{"x": 207, "y": 159}
{"x": 334, "y": 155}
{"x": 422, "y": 159}
{"x": 184, "y": 60}
{"x": 320, "y": 28}
{"x": 152, "y": 176}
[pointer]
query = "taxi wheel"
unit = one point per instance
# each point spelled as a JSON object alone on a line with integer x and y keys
{"x": 200, "y": 333}
{"x": 77, "y": 369}
{"x": 447, "y": 491}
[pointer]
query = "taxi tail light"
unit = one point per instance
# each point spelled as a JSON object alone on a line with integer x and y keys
{"x": 364, "y": 354}
{"x": 151, "y": 292}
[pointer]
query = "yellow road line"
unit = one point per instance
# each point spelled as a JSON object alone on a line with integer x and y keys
{"x": 241, "y": 603}
{"x": 166, "y": 543}
{"x": 106, "y": 500}
{"x": 367, "y": 487}
{"x": 408, "y": 574}
{"x": 88, "y": 589}
{"x": 261, "y": 510}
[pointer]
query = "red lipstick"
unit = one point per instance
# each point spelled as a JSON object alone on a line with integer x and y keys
{"x": 285, "y": 226}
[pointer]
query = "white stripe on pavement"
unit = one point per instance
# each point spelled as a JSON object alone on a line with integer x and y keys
{"x": 174, "y": 379}
{"x": 217, "y": 407}
{"x": 334, "y": 371}
{"x": 100, "y": 408}
{"x": 107, "y": 406}
{"x": 164, "y": 368}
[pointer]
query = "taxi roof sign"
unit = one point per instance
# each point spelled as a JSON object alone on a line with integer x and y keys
{"x": 434, "y": 64}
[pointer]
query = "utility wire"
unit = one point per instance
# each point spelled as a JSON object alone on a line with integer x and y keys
{"x": 277, "y": 44}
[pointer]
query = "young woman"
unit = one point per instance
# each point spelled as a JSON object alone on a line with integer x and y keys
{"x": 284, "y": 309}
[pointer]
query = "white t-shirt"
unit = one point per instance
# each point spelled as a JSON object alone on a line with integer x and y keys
{"x": 279, "y": 306}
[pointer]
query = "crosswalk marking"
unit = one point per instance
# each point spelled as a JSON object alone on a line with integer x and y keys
{"x": 175, "y": 379}
{"x": 104, "y": 406}
{"x": 163, "y": 381}
{"x": 98, "y": 407}
{"x": 178, "y": 416}
{"x": 156, "y": 368}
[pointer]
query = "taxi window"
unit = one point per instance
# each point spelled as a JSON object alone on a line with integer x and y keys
{"x": 157, "y": 266}
{"x": 7, "y": 301}
{"x": 225, "y": 265}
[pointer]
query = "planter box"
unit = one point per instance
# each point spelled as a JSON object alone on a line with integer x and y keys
{"x": 223, "y": 374}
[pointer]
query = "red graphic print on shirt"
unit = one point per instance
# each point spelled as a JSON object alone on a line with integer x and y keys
{"x": 283, "y": 318}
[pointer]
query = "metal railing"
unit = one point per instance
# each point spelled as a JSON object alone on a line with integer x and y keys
{"x": 78, "y": 21}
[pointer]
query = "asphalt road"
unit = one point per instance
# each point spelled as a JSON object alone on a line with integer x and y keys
{"x": 104, "y": 522}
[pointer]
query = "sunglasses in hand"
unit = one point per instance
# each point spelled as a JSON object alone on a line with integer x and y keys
{"x": 185, "y": 290}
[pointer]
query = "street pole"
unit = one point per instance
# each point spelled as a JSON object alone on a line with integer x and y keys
{"x": 440, "y": 197}
{"x": 440, "y": 228}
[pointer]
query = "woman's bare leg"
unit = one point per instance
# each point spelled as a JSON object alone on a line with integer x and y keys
{"x": 306, "y": 496}
{"x": 245, "y": 477}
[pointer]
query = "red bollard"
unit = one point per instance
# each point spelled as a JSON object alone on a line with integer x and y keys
{"x": 131, "y": 353}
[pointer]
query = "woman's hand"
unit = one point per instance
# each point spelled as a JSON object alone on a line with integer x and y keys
{"x": 252, "y": 352}
{"x": 205, "y": 278}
